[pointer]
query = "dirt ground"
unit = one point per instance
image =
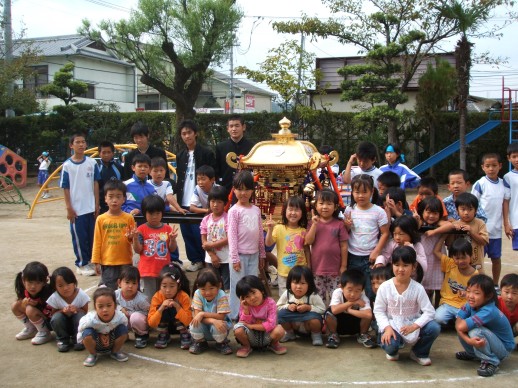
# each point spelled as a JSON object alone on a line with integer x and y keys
{"x": 46, "y": 238}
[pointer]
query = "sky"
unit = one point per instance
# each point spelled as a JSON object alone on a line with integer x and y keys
{"x": 42, "y": 18}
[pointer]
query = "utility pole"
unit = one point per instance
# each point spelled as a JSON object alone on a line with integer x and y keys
{"x": 8, "y": 48}
{"x": 232, "y": 76}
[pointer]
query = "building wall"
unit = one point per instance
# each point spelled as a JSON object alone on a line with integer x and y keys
{"x": 354, "y": 106}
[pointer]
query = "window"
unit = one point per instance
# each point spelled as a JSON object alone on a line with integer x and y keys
{"x": 39, "y": 77}
{"x": 90, "y": 92}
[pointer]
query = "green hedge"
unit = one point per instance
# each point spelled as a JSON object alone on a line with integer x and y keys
{"x": 34, "y": 134}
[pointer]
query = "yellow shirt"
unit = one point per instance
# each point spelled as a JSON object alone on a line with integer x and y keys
{"x": 290, "y": 248}
{"x": 453, "y": 290}
{"x": 111, "y": 246}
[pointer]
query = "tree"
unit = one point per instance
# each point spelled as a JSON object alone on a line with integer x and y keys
{"x": 415, "y": 26}
{"x": 64, "y": 86}
{"x": 468, "y": 19}
{"x": 279, "y": 71}
{"x": 173, "y": 43}
{"x": 437, "y": 86}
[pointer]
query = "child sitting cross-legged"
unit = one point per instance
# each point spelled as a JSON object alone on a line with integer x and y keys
{"x": 349, "y": 311}
{"x": 210, "y": 313}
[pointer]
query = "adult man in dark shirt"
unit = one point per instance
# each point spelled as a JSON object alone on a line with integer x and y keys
{"x": 140, "y": 135}
{"x": 238, "y": 144}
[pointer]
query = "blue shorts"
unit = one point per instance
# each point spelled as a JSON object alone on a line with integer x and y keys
{"x": 42, "y": 176}
{"x": 493, "y": 250}
{"x": 515, "y": 240}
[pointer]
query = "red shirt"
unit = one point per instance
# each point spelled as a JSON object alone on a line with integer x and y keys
{"x": 155, "y": 252}
{"x": 512, "y": 316}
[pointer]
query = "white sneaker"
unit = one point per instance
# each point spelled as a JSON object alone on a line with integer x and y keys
{"x": 193, "y": 267}
{"x": 44, "y": 196}
{"x": 42, "y": 337}
{"x": 86, "y": 270}
{"x": 26, "y": 333}
{"x": 424, "y": 361}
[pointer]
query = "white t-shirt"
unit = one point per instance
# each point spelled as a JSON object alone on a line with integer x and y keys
{"x": 190, "y": 181}
{"x": 200, "y": 198}
{"x": 511, "y": 192}
{"x": 44, "y": 164}
{"x": 364, "y": 234}
{"x": 374, "y": 172}
{"x": 338, "y": 298}
{"x": 491, "y": 196}
{"x": 57, "y": 302}
{"x": 79, "y": 178}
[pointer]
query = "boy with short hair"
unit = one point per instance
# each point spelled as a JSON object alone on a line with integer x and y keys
{"x": 140, "y": 135}
{"x": 458, "y": 183}
{"x": 466, "y": 205}
{"x": 394, "y": 203}
{"x": 162, "y": 187}
{"x": 386, "y": 180}
{"x": 108, "y": 168}
{"x": 349, "y": 311}
{"x": 138, "y": 187}
{"x": 457, "y": 271}
{"x": 427, "y": 187}
{"x": 508, "y": 300}
{"x": 490, "y": 191}
{"x": 366, "y": 155}
{"x": 112, "y": 247}
{"x": 510, "y": 209}
{"x": 80, "y": 183}
{"x": 205, "y": 180}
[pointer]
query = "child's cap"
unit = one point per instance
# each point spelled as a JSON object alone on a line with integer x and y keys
{"x": 45, "y": 153}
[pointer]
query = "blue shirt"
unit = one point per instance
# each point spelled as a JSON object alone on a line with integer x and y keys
{"x": 449, "y": 204}
{"x": 136, "y": 190}
{"x": 490, "y": 317}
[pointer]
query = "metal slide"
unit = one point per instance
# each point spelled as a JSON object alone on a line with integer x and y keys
{"x": 455, "y": 146}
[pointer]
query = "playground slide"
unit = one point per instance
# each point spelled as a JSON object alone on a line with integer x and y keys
{"x": 455, "y": 146}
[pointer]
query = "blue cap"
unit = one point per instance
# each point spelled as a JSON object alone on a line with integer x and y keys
{"x": 390, "y": 149}
{"x": 45, "y": 153}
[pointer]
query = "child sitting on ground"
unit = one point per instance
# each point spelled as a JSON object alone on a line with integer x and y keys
{"x": 210, "y": 307}
{"x": 404, "y": 312}
{"x": 170, "y": 310}
{"x": 105, "y": 329}
{"x": 508, "y": 301}
{"x": 457, "y": 271}
{"x": 69, "y": 304}
{"x": 133, "y": 304}
{"x": 349, "y": 311}
{"x": 257, "y": 326}
{"x": 483, "y": 330}
{"x": 300, "y": 308}
{"x": 32, "y": 291}
{"x": 379, "y": 275}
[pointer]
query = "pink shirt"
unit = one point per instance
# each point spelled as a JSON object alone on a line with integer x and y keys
{"x": 245, "y": 232}
{"x": 325, "y": 251}
{"x": 265, "y": 313}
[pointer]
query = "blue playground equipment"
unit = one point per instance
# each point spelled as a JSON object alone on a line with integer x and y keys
{"x": 507, "y": 106}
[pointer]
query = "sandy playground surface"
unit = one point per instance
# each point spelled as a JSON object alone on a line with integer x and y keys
{"x": 46, "y": 238}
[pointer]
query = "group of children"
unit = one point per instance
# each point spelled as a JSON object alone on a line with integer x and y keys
{"x": 334, "y": 273}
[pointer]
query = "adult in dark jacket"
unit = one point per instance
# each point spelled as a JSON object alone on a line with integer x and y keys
{"x": 238, "y": 144}
{"x": 140, "y": 135}
{"x": 188, "y": 159}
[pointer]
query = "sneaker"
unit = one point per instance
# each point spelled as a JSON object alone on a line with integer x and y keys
{"x": 288, "y": 336}
{"x": 333, "y": 341}
{"x": 243, "y": 352}
{"x": 26, "y": 333}
{"x": 185, "y": 341}
{"x": 198, "y": 347}
{"x": 316, "y": 339}
{"x": 90, "y": 360}
{"x": 141, "y": 341}
{"x": 162, "y": 340}
{"x": 119, "y": 356}
{"x": 464, "y": 356}
{"x": 86, "y": 270}
{"x": 486, "y": 369}
{"x": 79, "y": 347}
{"x": 42, "y": 337}
{"x": 277, "y": 348}
{"x": 365, "y": 340}
{"x": 223, "y": 347}
{"x": 424, "y": 361}
{"x": 392, "y": 357}
{"x": 193, "y": 267}
{"x": 63, "y": 346}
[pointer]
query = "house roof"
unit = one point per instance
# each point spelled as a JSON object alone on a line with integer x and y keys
{"x": 66, "y": 45}
{"x": 244, "y": 86}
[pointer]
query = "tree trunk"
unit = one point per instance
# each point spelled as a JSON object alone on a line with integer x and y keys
{"x": 463, "y": 65}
